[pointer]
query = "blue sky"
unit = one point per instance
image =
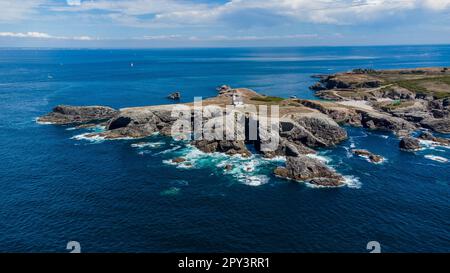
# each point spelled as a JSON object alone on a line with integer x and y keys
{"x": 211, "y": 23}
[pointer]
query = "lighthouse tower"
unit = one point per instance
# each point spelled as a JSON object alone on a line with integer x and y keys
{"x": 237, "y": 99}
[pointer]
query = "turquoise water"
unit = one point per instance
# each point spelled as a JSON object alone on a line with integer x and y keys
{"x": 113, "y": 196}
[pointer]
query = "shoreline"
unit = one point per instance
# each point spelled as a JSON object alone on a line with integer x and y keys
{"x": 306, "y": 124}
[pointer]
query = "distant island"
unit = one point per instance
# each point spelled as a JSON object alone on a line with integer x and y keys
{"x": 406, "y": 102}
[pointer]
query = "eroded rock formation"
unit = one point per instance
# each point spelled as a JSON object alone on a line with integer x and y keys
{"x": 65, "y": 114}
{"x": 305, "y": 169}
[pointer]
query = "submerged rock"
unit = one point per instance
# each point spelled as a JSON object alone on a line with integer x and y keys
{"x": 66, "y": 114}
{"x": 179, "y": 160}
{"x": 175, "y": 96}
{"x": 372, "y": 157}
{"x": 430, "y": 137}
{"x": 304, "y": 168}
{"x": 410, "y": 144}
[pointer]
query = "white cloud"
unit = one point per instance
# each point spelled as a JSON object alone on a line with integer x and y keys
{"x": 74, "y": 2}
{"x": 261, "y": 38}
{"x": 228, "y": 38}
{"x": 161, "y": 37}
{"x": 176, "y": 13}
{"x": 437, "y": 4}
{"x": 42, "y": 35}
{"x": 25, "y": 35}
{"x": 18, "y": 10}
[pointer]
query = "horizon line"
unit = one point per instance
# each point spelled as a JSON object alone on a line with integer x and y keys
{"x": 208, "y": 47}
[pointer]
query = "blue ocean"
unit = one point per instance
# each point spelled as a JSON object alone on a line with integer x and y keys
{"x": 125, "y": 196}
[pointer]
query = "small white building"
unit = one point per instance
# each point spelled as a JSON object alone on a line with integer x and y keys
{"x": 237, "y": 99}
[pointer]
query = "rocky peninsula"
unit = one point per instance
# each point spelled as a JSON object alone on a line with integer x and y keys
{"x": 399, "y": 101}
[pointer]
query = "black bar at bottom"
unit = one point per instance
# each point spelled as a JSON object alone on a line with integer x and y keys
{"x": 224, "y": 262}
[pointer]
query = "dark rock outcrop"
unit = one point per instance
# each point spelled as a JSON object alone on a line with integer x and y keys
{"x": 410, "y": 144}
{"x": 223, "y": 146}
{"x": 312, "y": 130}
{"x": 288, "y": 148}
{"x": 317, "y": 87}
{"x": 304, "y": 168}
{"x": 378, "y": 121}
{"x": 65, "y": 114}
{"x": 175, "y": 96}
{"x": 349, "y": 81}
{"x": 437, "y": 125}
{"x": 371, "y": 156}
{"x": 132, "y": 123}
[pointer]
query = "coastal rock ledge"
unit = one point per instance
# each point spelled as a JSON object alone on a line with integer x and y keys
{"x": 306, "y": 169}
{"x": 65, "y": 114}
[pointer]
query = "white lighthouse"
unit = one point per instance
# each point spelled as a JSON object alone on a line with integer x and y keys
{"x": 237, "y": 99}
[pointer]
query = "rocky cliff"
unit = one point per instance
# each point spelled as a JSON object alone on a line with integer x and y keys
{"x": 400, "y": 101}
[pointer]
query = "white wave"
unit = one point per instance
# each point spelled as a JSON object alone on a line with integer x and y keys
{"x": 367, "y": 158}
{"x": 193, "y": 152}
{"x": 352, "y": 182}
{"x": 321, "y": 158}
{"x": 169, "y": 162}
{"x": 244, "y": 169}
{"x": 185, "y": 165}
{"x": 437, "y": 158}
{"x": 94, "y": 128}
{"x": 42, "y": 122}
{"x": 169, "y": 150}
{"x": 275, "y": 159}
{"x": 352, "y": 142}
{"x": 348, "y": 153}
{"x": 249, "y": 166}
{"x": 97, "y": 128}
{"x": 253, "y": 180}
{"x": 89, "y": 137}
{"x": 428, "y": 144}
{"x": 147, "y": 144}
{"x": 180, "y": 165}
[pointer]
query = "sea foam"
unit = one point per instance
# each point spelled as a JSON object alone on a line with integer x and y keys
{"x": 147, "y": 145}
{"x": 437, "y": 158}
{"x": 89, "y": 137}
{"x": 323, "y": 159}
{"x": 352, "y": 182}
{"x": 428, "y": 144}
